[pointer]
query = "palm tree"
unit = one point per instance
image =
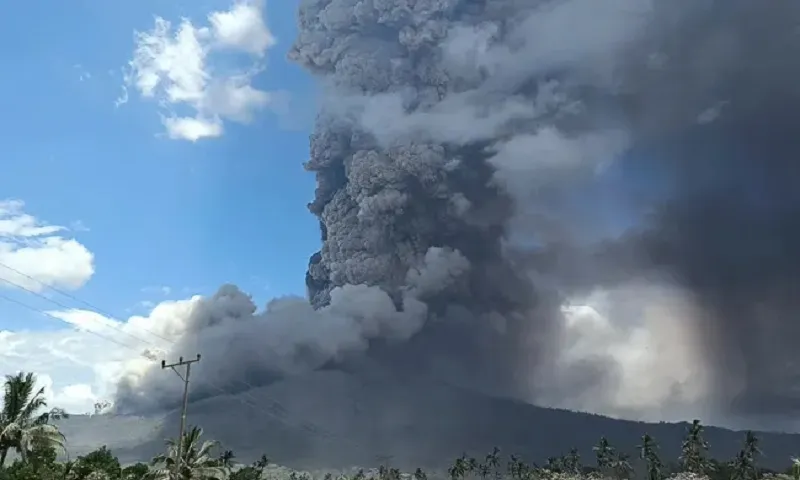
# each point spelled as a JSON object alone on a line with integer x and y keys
{"x": 751, "y": 445}
{"x": 744, "y": 465}
{"x": 605, "y": 454}
{"x": 572, "y": 462}
{"x": 459, "y": 468}
{"x": 22, "y": 425}
{"x": 226, "y": 459}
{"x": 648, "y": 452}
{"x": 796, "y": 468}
{"x": 621, "y": 466}
{"x": 195, "y": 461}
{"x": 493, "y": 462}
{"x": 693, "y": 450}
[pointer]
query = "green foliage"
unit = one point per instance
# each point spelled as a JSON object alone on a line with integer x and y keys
{"x": 194, "y": 461}
{"x": 199, "y": 464}
{"x": 744, "y": 465}
{"x": 572, "y": 462}
{"x": 694, "y": 450}
{"x": 24, "y": 420}
{"x": 39, "y": 464}
{"x": 27, "y": 471}
{"x": 251, "y": 472}
{"x": 720, "y": 470}
{"x": 100, "y": 460}
{"x": 26, "y": 431}
{"x": 622, "y": 466}
{"x": 137, "y": 471}
{"x": 794, "y": 470}
{"x": 648, "y": 451}
{"x": 604, "y": 455}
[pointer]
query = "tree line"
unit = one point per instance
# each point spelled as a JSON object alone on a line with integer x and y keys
{"x": 27, "y": 433}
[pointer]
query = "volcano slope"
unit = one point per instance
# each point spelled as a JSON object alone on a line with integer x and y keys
{"x": 337, "y": 420}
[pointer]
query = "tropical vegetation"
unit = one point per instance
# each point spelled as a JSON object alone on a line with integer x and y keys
{"x": 32, "y": 448}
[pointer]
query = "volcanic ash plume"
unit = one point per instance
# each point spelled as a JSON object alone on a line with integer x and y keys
{"x": 580, "y": 203}
{"x": 467, "y": 125}
{"x": 489, "y": 127}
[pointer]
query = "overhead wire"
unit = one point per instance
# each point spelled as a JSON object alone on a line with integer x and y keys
{"x": 281, "y": 416}
{"x": 60, "y": 320}
{"x": 92, "y": 308}
{"x": 106, "y": 314}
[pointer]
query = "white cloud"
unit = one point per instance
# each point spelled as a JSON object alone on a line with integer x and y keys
{"x": 83, "y": 74}
{"x": 236, "y": 99}
{"x": 78, "y": 226}
{"x": 123, "y": 97}
{"x": 161, "y": 289}
{"x": 192, "y": 129}
{"x": 39, "y": 250}
{"x": 175, "y": 69}
{"x": 167, "y": 320}
{"x": 242, "y": 27}
{"x": 80, "y": 366}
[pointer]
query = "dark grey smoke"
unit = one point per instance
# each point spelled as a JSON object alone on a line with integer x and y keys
{"x": 528, "y": 196}
{"x": 524, "y": 102}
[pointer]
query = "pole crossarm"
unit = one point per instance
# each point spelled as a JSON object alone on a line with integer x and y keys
{"x": 185, "y": 378}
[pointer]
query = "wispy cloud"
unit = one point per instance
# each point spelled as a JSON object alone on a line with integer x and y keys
{"x": 175, "y": 68}
{"x": 83, "y": 74}
{"x": 162, "y": 289}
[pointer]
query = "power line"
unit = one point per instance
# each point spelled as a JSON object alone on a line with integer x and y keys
{"x": 92, "y": 308}
{"x": 124, "y": 345}
{"x": 60, "y": 320}
{"x": 55, "y": 302}
{"x": 95, "y": 308}
{"x": 118, "y": 328}
{"x": 280, "y": 413}
{"x": 306, "y": 426}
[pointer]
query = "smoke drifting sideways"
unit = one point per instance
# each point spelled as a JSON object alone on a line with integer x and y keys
{"x": 242, "y": 348}
{"x": 578, "y": 203}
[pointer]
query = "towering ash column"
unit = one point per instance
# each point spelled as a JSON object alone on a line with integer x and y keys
{"x": 461, "y": 134}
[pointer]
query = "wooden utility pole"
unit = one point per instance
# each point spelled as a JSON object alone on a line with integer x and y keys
{"x": 185, "y": 377}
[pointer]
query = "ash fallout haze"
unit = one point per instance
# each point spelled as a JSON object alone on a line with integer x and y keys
{"x": 582, "y": 204}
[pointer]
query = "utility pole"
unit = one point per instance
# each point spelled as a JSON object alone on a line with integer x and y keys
{"x": 185, "y": 377}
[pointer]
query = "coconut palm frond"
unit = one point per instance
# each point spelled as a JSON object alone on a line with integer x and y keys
{"x": 22, "y": 427}
{"x": 196, "y": 459}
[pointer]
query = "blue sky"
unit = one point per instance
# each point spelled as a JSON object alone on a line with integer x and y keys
{"x": 159, "y": 211}
{"x": 163, "y": 214}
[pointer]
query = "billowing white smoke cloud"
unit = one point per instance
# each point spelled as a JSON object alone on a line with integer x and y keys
{"x": 641, "y": 338}
{"x": 641, "y": 333}
{"x": 241, "y": 346}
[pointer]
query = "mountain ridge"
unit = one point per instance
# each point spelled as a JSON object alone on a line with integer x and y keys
{"x": 337, "y": 420}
